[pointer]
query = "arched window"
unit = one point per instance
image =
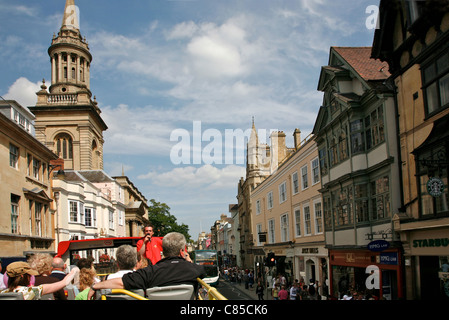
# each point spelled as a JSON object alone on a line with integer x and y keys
{"x": 95, "y": 155}
{"x": 64, "y": 146}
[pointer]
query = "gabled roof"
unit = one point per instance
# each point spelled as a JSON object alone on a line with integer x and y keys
{"x": 346, "y": 63}
{"x": 359, "y": 58}
{"x": 356, "y": 61}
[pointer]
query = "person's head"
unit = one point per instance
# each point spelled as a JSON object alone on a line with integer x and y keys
{"x": 19, "y": 274}
{"x": 86, "y": 278}
{"x": 142, "y": 262}
{"x": 148, "y": 230}
{"x": 174, "y": 244}
{"x": 126, "y": 257}
{"x": 58, "y": 264}
{"x": 41, "y": 262}
{"x": 84, "y": 263}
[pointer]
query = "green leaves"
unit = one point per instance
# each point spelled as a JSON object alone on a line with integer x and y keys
{"x": 163, "y": 221}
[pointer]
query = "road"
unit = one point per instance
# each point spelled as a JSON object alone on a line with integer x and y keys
{"x": 234, "y": 291}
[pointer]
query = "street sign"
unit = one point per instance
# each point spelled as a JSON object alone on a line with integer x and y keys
{"x": 389, "y": 258}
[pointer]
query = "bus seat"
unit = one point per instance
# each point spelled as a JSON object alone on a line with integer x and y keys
{"x": 71, "y": 294}
{"x": 176, "y": 292}
{"x": 11, "y": 296}
{"x": 48, "y": 296}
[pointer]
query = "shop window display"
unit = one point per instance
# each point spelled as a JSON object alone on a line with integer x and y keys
{"x": 351, "y": 283}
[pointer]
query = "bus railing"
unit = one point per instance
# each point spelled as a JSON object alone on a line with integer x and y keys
{"x": 124, "y": 292}
{"x": 211, "y": 292}
{"x": 208, "y": 293}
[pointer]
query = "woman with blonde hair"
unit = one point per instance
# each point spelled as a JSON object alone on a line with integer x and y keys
{"x": 86, "y": 280}
{"x": 42, "y": 263}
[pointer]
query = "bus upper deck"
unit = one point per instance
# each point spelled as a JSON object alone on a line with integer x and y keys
{"x": 71, "y": 251}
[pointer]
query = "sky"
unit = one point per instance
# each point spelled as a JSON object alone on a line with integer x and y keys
{"x": 176, "y": 80}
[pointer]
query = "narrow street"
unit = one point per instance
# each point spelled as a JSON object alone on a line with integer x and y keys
{"x": 235, "y": 291}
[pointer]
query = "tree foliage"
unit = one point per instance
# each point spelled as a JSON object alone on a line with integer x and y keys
{"x": 163, "y": 221}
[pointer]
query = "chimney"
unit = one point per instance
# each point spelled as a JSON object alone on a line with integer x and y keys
{"x": 278, "y": 149}
{"x": 297, "y": 138}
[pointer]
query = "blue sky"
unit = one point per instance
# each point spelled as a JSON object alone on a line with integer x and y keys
{"x": 166, "y": 67}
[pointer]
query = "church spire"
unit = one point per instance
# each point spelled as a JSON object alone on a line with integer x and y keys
{"x": 70, "y": 19}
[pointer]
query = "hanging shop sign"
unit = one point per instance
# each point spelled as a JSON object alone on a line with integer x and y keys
{"x": 378, "y": 245}
{"x": 435, "y": 187}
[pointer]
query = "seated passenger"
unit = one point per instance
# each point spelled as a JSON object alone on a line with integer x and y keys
{"x": 87, "y": 278}
{"x": 41, "y": 262}
{"x": 176, "y": 268}
{"x": 19, "y": 277}
{"x": 126, "y": 260}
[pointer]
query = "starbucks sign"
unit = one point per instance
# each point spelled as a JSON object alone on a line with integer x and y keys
{"x": 435, "y": 187}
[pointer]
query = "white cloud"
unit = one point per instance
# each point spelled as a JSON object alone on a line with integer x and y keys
{"x": 183, "y": 30}
{"x": 222, "y": 73}
{"x": 18, "y": 9}
{"x": 23, "y": 91}
{"x": 206, "y": 177}
{"x": 144, "y": 132}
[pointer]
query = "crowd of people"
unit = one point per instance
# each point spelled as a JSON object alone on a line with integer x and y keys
{"x": 34, "y": 279}
{"x": 44, "y": 277}
{"x": 284, "y": 288}
{"x": 279, "y": 289}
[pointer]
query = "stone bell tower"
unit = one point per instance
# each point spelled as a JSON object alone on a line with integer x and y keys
{"x": 68, "y": 121}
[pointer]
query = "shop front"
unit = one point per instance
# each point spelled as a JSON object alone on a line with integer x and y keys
{"x": 311, "y": 265}
{"x": 369, "y": 274}
{"x": 283, "y": 264}
{"x": 427, "y": 263}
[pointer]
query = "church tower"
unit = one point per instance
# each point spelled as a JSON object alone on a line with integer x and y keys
{"x": 68, "y": 121}
{"x": 257, "y": 156}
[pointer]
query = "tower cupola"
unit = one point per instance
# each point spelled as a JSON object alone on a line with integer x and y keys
{"x": 70, "y": 62}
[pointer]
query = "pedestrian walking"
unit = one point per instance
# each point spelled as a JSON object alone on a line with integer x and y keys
{"x": 259, "y": 290}
{"x": 304, "y": 295}
{"x": 293, "y": 291}
{"x": 275, "y": 293}
{"x": 283, "y": 294}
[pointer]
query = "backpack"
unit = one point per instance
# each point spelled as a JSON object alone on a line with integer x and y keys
{"x": 305, "y": 295}
{"x": 312, "y": 290}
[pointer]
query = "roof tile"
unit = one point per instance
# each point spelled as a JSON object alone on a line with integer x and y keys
{"x": 360, "y": 59}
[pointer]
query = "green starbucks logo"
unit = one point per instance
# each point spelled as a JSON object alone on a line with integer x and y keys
{"x": 435, "y": 187}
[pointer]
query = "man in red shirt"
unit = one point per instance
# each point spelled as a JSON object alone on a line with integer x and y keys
{"x": 150, "y": 247}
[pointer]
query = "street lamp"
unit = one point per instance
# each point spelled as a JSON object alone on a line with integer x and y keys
{"x": 52, "y": 167}
{"x": 56, "y": 195}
